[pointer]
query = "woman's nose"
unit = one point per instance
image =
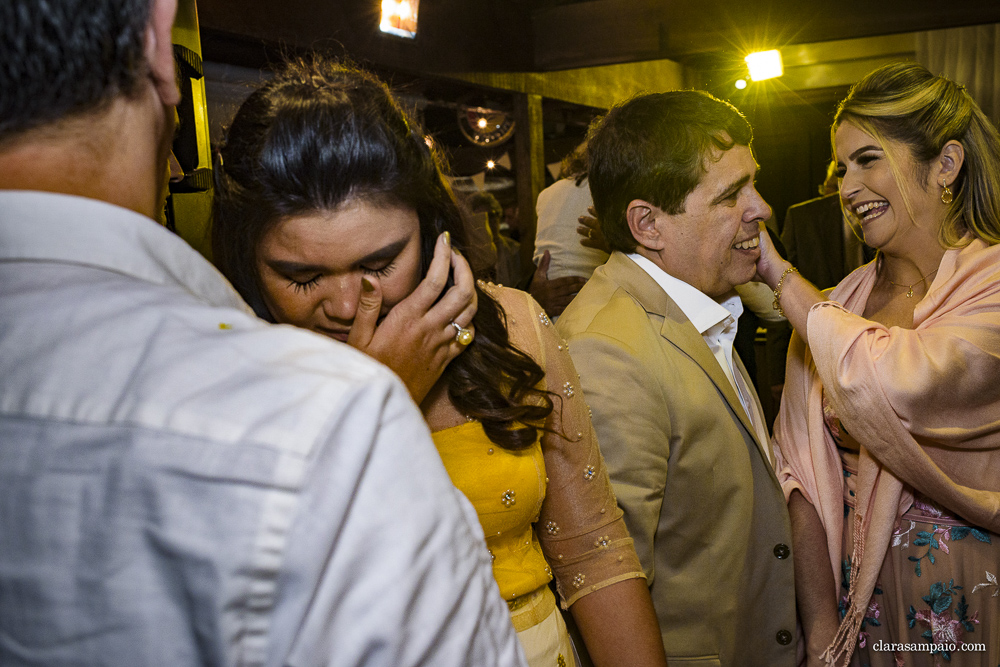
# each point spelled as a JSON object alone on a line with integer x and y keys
{"x": 340, "y": 302}
{"x": 850, "y": 186}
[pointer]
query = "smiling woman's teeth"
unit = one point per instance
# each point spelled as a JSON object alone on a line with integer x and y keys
{"x": 749, "y": 244}
{"x": 875, "y": 207}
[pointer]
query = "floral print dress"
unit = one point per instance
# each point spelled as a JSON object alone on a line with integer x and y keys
{"x": 938, "y": 590}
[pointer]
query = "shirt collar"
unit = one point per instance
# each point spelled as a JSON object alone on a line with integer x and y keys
{"x": 703, "y": 311}
{"x": 44, "y": 226}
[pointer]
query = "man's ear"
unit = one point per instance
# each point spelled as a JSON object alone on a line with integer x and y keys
{"x": 641, "y": 217}
{"x": 160, "y": 50}
{"x": 949, "y": 162}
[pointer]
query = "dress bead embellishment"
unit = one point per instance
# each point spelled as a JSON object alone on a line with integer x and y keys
{"x": 589, "y": 472}
{"x": 579, "y": 579}
{"x": 508, "y": 498}
{"x": 552, "y": 528}
{"x": 568, "y": 390}
{"x": 544, "y": 319}
{"x": 489, "y": 451}
{"x": 560, "y": 661}
{"x": 492, "y": 556}
{"x": 602, "y": 542}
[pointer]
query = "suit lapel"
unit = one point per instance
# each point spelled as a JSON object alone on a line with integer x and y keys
{"x": 764, "y": 447}
{"x": 678, "y": 330}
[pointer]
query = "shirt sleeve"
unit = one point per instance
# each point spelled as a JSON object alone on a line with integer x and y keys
{"x": 580, "y": 527}
{"x": 386, "y": 563}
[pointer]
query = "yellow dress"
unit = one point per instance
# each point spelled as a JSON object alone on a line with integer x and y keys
{"x": 548, "y": 510}
{"x": 507, "y": 489}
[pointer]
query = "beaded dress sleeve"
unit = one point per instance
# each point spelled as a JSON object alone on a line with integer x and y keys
{"x": 580, "y": 526}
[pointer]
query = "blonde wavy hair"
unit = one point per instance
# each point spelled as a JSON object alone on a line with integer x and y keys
{"x": 903, "y": 102}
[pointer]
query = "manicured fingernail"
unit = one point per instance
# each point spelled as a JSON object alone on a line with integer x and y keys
{"x": 447, "y": 239}
{"x": 367, "y": 285}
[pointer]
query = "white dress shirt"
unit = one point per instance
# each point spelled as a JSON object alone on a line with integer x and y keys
{"x": 716, "y": 321}
{"x": 559, "y": 207}
{"x": 183, "y": 484}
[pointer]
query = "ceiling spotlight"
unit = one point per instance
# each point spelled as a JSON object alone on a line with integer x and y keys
{"x": 399, "y": 17}
{"x": 764, "y": 65}
{"x": 481, "y": 123}
{"x": 490, "y": 164}
{"x": 741, "y": 83}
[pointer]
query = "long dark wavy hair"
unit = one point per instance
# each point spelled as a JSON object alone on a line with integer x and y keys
{"x": 321, "y": 134}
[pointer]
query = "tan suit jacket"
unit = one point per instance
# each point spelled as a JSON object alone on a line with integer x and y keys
{"x": 700, "y": 497}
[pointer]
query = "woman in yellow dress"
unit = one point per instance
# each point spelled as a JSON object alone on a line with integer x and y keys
{"x": 332, "y": 215}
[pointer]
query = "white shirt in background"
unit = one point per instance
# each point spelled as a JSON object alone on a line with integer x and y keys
{"x": 559, "y": 207}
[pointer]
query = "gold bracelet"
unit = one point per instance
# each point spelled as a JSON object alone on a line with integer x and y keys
{"x": 777, "y": 289}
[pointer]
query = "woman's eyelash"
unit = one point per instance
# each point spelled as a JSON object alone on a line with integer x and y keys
{"x": 379, "y": 272}
{"x": 304, "y": 286}
{"x": 867, "y": 158}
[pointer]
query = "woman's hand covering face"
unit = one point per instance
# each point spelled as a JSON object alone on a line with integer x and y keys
{"x": 416, "y": 339}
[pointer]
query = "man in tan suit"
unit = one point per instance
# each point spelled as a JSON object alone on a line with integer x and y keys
{"x": 672, "y": 176}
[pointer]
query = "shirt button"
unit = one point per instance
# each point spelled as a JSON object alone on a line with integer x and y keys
{"x": 781, "y": 551}
{"x": 784, "y": 637}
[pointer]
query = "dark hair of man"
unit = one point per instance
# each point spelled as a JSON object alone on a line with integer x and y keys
{"x": 484, "y": 202}
{"x": 574, "y": 165}
{"x": 61, "y": 58}
{"x": 321, "y": 134}
{"x": 654, "y": 148}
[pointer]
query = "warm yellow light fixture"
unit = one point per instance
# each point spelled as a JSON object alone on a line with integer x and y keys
{"x": 399, "y": 17}
{"x": 764, "y": 65}
{"x": 741, "y": 84}
{"x": 490, "y": 164}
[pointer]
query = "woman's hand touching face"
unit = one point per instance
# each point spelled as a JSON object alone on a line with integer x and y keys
{"x": 353, "y": 274}
{"x": 417, "y": 339}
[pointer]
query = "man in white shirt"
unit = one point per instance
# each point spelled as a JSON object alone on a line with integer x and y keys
{"x": 681, "y": 428}
{"x": 180, "y": 483}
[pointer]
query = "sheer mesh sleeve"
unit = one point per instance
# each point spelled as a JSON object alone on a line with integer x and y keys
{"x": 580, "y": 526}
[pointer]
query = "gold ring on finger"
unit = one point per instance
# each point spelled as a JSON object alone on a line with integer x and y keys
{"x": 463, "y": 336}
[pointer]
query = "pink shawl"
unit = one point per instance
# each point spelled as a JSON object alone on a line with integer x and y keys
{"x": 923, "y": 402}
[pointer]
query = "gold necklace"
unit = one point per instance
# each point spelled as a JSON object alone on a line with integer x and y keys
{"x": 909, "y": 288}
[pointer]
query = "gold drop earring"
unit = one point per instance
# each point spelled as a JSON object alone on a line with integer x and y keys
{"x": 946, "y": 196}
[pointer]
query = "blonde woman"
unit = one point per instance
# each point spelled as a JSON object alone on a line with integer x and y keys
{"x": 889, "y": 430}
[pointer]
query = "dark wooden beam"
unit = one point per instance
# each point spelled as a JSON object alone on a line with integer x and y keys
{"x": 529, "y": 165}
{"x": 480, "y": 35}
{"x": 598, "y": 87}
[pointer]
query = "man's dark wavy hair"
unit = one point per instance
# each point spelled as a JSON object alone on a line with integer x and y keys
{"x": 61, "y": 58}
{"x": 320, "y": 134}
{"x": 653, "y": 147}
